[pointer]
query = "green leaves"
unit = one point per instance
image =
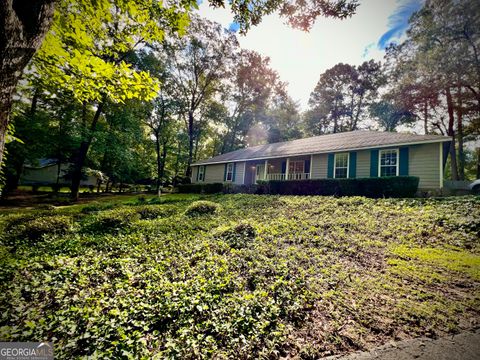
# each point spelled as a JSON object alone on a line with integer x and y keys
{"x": 84, "y": 53}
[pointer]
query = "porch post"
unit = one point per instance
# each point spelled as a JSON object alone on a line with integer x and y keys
{"x": 311, "y": 167}
{"x": 286, "y": 170}
{"x": 265, "y": 170}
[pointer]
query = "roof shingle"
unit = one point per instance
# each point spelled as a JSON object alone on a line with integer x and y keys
{"x": 353, "y": 140}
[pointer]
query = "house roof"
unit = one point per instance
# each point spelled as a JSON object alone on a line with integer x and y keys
{"x": 345, "y": 141}
{"x": 41, "y": 163}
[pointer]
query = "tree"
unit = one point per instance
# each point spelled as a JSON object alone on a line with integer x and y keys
{"x": 389, "y": 115}
{"x": 438, "y": 68}
{"x": 122, "y": 144}
{"x": 197, "y": 63}
{"x": 160, "y": 122}
{"x": 249, "y": 95}
{"x": 46, "y": 128}
{"x": 86, "y": 52}
{"x": 283, "y": 121}
{"x": 25, "y": 23}
{"x": 23, "y": 26}
{"x": 343, "y": 94}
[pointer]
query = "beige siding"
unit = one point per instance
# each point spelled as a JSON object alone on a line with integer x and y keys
{"x": 319, "y": 166}
{"x": 363, "y": 164}
{"x": 239, "y": 172}
{"x": 48, "y": 175}
{"x": 214, "y": 173}
{"x": 194, "y": 174}
{"x": 424, "y": 162}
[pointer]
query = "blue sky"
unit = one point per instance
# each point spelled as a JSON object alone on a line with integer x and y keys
{"x": 398, "y": 22}
{"x": 300, "y": 57}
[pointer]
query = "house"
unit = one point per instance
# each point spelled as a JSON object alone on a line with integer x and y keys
{"x": 47, "y": 171}
{"x": 355, "y": 154}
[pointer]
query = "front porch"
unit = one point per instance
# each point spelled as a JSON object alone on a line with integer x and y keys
{"x": 294, "y": 168}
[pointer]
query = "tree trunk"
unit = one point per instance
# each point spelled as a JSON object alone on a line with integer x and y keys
{"x": 177, "y": 162}
{"x": 24, "y": 25}
{"x": 82, "y": 154}
{"x": 159, "y": 165}
{"x": 425, "y": 117}
{"x": 164, "y": 159}
{"x": 451, "y": 132}
{"x": 161, "y": 171}
{"x": 335, "y": 120}
{"x": 478, "y": 163}
{"x": 461, "y": 153}
{"x": 59, "y": 167}
{"x": 195, "y": 146}
{"x": 188, "y": 172}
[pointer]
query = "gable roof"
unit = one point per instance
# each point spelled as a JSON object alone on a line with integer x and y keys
{"x": 345, "y": 141}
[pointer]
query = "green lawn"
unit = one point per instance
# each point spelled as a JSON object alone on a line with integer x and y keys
{"x": 260, "y": 277}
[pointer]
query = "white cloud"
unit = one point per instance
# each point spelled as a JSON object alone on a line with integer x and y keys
{"x": 300, "y": 57}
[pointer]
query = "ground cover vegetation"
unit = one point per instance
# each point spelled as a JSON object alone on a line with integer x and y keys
{"x": 237, "y": 276}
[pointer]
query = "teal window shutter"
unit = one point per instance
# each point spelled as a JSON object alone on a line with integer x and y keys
{"x": 403, "y": 168}
{"x": 331, "y": 160}
{"x": 225, "y": 173}
{"x": 204, "y": 172}
{"x": 374, "y": 163}
{"x": 198, "y": 171}
{"x": 234, "y": 171}
{"x": 352, "y": 167}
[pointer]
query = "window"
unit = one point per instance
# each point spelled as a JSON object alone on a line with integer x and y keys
{"x": 201, "y": 173}
{"x": 229, "y": 175}
{"x": 296, "y": 167}
{"x": 341, "y": 166}
{"x": 388, "y": 162}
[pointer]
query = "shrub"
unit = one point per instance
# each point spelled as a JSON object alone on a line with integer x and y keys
{"x": 112, "y": 220}
{"x": 202, "y": 208}
{"x": 239, "y": 236}
{"x": 34, "y": 226}
{"x": 152, "y": 212}
{"x": 396, "y": 186}
{"x": 209, "y": 188}
{"x": 261, "y": 188}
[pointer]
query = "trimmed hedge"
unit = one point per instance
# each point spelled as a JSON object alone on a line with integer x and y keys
{"x": 395, "y": 186}
{"x": 212, "y": 188}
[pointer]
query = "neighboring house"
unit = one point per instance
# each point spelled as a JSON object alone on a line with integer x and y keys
{"x": 355, "y": 154}
{"x": 46, "y": 173}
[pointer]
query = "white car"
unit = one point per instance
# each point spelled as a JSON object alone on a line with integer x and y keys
{"x": 475, "y": 186}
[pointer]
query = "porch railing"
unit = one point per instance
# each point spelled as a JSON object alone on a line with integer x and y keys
{"x": 294, "y": 176}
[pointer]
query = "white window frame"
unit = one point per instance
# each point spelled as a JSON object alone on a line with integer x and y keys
{"x": 201, "y": 174}
{"x": 335, "y": 164}
{"x": 229, "y": 171}
{"x": 293, "y": 163}
{"x": 397, "y": 165}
